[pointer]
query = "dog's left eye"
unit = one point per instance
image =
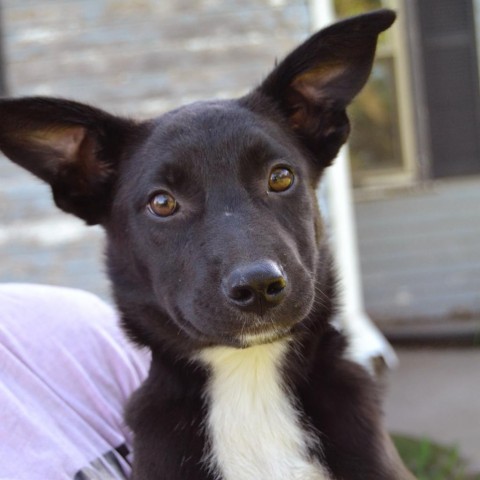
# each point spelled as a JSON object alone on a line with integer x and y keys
{"x": 281, "y": 179}
{"x": 162, "y": 204}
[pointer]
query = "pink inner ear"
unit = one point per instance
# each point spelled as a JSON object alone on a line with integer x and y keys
{"x": 313, "y": 85}
{"x": 65, "y": 141}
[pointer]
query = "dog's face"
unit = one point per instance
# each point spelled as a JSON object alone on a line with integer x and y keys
{"x": 215, "y": 219}
{"x": 210, "y": 210}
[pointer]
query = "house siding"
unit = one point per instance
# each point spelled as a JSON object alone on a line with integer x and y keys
{"x": 146, "y": 56}
{"x": 420, "y": 252}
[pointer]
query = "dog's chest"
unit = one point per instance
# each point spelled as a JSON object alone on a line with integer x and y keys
{"x": 252, "y": 425}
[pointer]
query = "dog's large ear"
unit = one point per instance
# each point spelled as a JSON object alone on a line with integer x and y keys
{"x": 314, "y": 84}
{"x": 73, "y": 147}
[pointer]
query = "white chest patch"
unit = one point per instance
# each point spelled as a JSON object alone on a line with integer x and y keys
{"x": 253, "y": 427}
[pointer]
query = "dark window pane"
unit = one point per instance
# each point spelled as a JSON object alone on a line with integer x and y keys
{"x": 375, "y": 143}
{"x": 452, "y": 89}
{"x": 375, "y": 139}
{"x": 2, "y": 63}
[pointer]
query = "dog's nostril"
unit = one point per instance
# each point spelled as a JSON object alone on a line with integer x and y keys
{"x": 276, "y": 287}
{"x": 242, "y": 294}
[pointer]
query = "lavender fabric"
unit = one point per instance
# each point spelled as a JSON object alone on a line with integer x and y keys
{"x": 66, "y": 372}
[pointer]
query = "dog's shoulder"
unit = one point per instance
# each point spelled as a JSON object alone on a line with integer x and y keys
{"x": 343, "y": 402}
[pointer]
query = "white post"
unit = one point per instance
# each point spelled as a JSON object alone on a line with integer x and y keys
{"x": 366, "y": 341}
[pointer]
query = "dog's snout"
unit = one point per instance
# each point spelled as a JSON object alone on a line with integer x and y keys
{"x": 256, "y": 286}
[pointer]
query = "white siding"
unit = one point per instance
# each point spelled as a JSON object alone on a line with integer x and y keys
{"x": 420, "y": 252}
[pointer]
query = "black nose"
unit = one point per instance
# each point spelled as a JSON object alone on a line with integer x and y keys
{"x": 255, "y": 287}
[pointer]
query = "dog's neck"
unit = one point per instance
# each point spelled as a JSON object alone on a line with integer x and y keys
{"x": 253, "y": 424}
{"x": 202, "y": 418}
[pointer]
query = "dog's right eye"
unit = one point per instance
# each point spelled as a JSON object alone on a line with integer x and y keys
{"x": 281, "y": 179}
{"x": 162, "y": 204}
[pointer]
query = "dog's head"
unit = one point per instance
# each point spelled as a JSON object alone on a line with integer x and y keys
{"x": 210, "y": 210}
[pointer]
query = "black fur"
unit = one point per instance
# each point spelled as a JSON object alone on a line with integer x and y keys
{"x": 167, "y": 273}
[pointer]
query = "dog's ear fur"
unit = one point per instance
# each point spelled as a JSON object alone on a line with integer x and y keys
{"x": 71, "y": 146}
{"x": 314, "y": 84}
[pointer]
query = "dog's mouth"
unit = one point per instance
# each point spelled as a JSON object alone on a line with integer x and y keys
{"x": 256, "y": 333}
{"x": 247, "y": 335}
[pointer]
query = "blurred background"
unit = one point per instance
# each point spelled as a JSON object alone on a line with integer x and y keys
{"x": 414, "y": 152}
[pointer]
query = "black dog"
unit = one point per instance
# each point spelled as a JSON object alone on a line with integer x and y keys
{"x": 218, "y": 262}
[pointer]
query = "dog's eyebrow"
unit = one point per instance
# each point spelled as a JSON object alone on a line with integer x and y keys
{"x": 171, "y": 175}
{"x": 263, "y": 148}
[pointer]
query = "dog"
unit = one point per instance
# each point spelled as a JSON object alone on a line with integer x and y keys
{"x": 219, "y": 265}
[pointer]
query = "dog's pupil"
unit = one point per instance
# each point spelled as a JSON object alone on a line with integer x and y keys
{"x": 280, "y": 179}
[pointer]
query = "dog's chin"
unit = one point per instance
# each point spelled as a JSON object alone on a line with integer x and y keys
{"x": 241, "y": 340}
{"x": 252, "y": 337}
{"x": 264, "y": 336}
{"x": 238, "y": 331}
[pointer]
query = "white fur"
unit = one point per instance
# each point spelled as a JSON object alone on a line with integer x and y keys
{"x": 253, "y": 427}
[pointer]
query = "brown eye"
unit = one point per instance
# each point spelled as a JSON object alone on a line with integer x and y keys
{"x": 162, "y": 204}
{"x": 281, "y": 179}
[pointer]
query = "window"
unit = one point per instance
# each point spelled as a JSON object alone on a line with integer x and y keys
{"x": 450, "y": 79}
{"x": 2, "y": 63}
{"x": 382, "y": 142}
